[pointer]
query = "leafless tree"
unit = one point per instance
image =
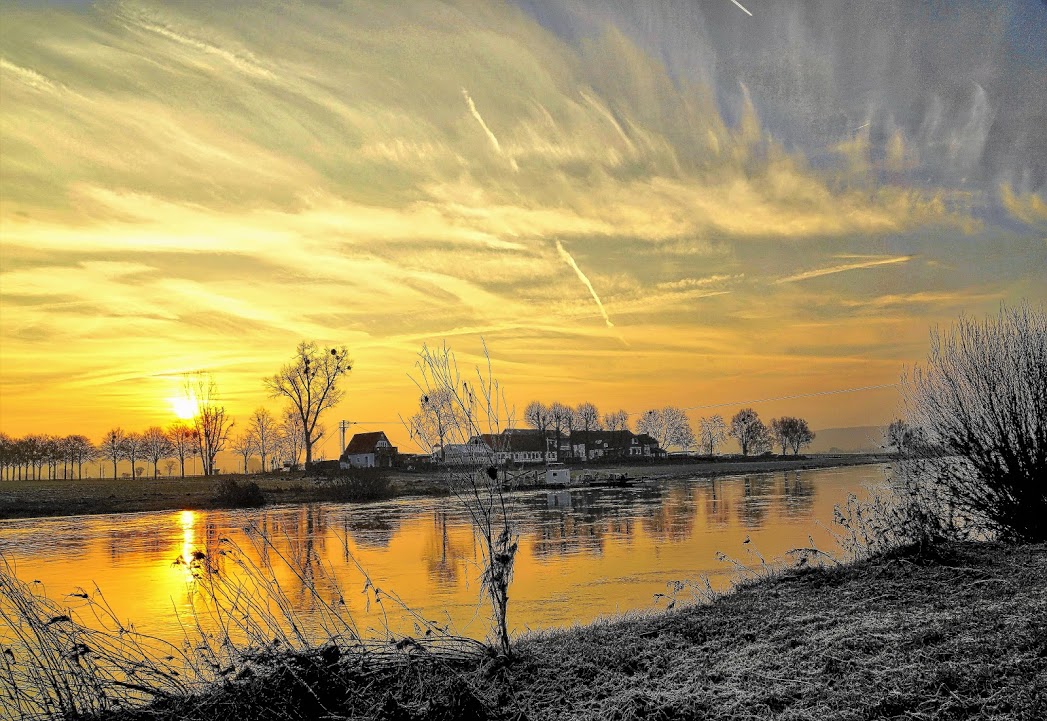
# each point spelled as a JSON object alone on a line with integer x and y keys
{"x": 310, "y": 381}
{"x": 617, "y": 423}
{"x": 112, "y": 446}
{"x": 536, "y": 415}
{"x": 587, "y": 419}
{"x": 7, "y": 453}
{"x": 481, "y": 409}
{"x": 80, "y": 450}
{"x": 211, "y": 422}
{"x": 749, "y": 431}
{"x": 898, "y": 435}
{"x": 800, "y": 435}
{"x": 291, "y": 436}
{"x": 244, "y": 446}
{"x": 669, "y": 426}
{"x": 561, "y": 419}
{"x": 134, "y": 448}
{"x": 156, "y": 445}
{"x": 184, "y": 443}
{"x": 778, "y": 429}
{"x": 712, "y": 431}
{"x": 981, "y": 400}
{"x": 437, "y": 415}
{"x": 264, "y": 430}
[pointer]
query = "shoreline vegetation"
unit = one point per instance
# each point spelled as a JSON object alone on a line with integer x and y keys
{"x": 93, "y": 496}
{"x": 953, "y": 632}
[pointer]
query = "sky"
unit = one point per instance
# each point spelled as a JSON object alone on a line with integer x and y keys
{"x": 633, "y": 204}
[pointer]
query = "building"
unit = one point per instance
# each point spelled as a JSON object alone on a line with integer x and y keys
{"x": 368, "y": 450}
{"x": 474, "y": 453}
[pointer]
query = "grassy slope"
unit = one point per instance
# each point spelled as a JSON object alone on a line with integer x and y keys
{"x": 28, "y": 499}
{"x": 963, "y": 635}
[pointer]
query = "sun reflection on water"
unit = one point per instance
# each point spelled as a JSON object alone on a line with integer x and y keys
{"x": 188, "y": 521}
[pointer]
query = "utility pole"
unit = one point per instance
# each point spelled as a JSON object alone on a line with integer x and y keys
{"x": 343, "y": 426}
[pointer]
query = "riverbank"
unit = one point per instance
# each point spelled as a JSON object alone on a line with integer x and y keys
{"x": 961, "y": 634}
{"x": 88, "y": 496}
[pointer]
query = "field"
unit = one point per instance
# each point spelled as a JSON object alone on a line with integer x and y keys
{"x": 35, "y": 498}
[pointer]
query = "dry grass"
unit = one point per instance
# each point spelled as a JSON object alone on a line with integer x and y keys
{"x": 959, "y": 635}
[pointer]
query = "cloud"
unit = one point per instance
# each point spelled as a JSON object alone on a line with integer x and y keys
{"x": 203, "y": 187}
{"x": 819, "y": 272}
{"x": 569, "y": 259}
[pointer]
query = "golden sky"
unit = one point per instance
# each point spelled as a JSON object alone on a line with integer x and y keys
{"x": 635, "y": 206}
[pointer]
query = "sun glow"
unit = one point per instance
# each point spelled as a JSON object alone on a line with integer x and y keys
{"x": 184, "y": 408}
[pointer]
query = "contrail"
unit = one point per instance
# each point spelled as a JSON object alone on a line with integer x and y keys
{"x": 490, "y": 135}
{"x": 742, "y": 7}
{"x": 570, "y": 261}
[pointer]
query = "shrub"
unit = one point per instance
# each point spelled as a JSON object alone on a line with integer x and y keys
{"x": 233, "y": 494}
{"x": 359, "y": 486}
{"x": 979, "y": 405}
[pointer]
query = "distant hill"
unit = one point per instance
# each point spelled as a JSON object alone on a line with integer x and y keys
{"x": 857, "y": 439}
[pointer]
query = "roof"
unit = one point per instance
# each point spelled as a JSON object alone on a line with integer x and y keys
{"x": 364, "y": 443}
{"x": 614, "y": 439}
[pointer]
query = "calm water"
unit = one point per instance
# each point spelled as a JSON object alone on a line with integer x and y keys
{"x": 583, "y": 553}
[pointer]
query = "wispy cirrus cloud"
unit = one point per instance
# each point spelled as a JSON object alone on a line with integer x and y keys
{"x": 843, "y": 268}
{"x": 194, "y": 188}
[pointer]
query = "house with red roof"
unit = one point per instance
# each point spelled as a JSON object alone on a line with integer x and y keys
{"x": 368, "y": 450}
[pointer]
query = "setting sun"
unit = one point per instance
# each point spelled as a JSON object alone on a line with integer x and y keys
{"x": 184, "y": 408}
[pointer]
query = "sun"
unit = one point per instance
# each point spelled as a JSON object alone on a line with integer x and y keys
{"x": 184, "y": 408}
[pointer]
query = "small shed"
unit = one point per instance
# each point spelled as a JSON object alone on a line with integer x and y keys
{"x": 557, "y": 474}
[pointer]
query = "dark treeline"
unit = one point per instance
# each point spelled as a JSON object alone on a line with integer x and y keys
{"x": 309, "y": 384}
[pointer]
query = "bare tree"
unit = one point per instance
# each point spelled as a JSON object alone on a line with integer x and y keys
{"x": 291, "y": 436}
{"x": 52, "y": 454}
{"x": 112, "y": 446}
{"x": 481, "y": 409}
{"x": 669, "y": 426}
{"x": 981, "y": 398}
{"x": 800, "y": 435}
{"x": 310, "y": 381}
{"x": 7, "y": 453}
{"x": 244, "y": 446}
{"x": 537, "y": 416}
{"x": 617, "y": 423}
{"x": 780, "y": 432}
{"x": 437, "y": 415}
{"x": 749, "y": 431}
{"x": 156, "y": 445}
{"x": 587, "y": 419}
{"x": 649, "y": 423}
{"x": 712, "y": 431}
{"x": 561, "y": 419}
{"x": 212, "y": 423}
{"x": 80, "y": 450}
{"x": 264, "y": 431}
{"x": 184, "y": 443}
{"x": 898, "y": 435}
{"x": 134, "y": 447}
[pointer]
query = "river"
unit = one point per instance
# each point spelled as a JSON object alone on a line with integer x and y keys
{"x": 584, "y": 553}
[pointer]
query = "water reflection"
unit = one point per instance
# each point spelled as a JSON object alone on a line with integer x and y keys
{"x": 583, "y": 552}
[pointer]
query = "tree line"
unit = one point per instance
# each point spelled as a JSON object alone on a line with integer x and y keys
{"x": 669, "y": 426}
{"x": 309, "y": 384}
